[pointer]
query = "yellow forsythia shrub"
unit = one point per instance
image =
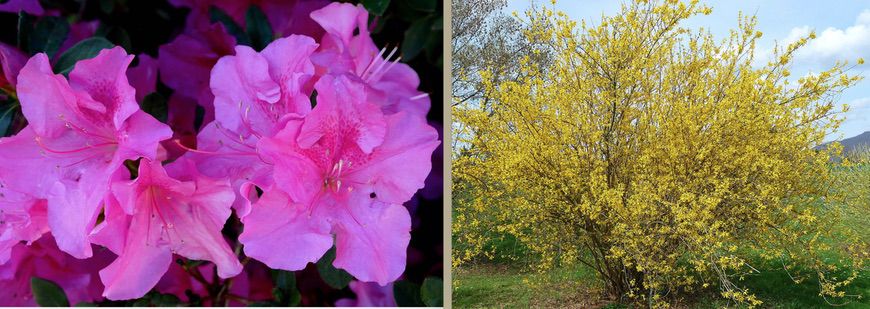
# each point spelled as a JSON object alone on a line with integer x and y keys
{"x": 665, "y": 160}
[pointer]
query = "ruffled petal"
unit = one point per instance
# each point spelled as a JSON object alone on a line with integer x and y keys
{"x": 283, "y": 234}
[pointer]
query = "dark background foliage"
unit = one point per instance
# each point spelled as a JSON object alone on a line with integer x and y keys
{"x": 140, "y": 27}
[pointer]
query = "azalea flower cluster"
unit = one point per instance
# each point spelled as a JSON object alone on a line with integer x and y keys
{"x": 314, "y": 142}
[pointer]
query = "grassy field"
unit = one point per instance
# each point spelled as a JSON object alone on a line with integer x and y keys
{"x": 500, "y": 286}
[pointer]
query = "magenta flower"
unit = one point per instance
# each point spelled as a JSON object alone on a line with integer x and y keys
{"x": 143, "y": 77}
{"x": 185, "y": 63}
{"x": 11, "y": 61}
{"x": 347, "y": 47}
{"x": 22, "y": 218}
{"x": 43, "y": 259}
{"x": 369, "y": 295}
{"x": 285, "y": 16}
{"x": 344, "y": 169}
{"x": 156, "y": 216}
{"x": 79, "y": 135}
{"x": 254, "y": 94}
{"x": 29, "y": 6}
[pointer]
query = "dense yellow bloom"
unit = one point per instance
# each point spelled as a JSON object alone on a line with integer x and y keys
{"x": 658, "y": 156}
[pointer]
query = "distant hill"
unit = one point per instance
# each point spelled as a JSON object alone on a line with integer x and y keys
{"x": 852, "y": 143}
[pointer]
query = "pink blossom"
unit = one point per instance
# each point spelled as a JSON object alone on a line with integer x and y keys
{"x": 22, "y": 218}
{"x": 157, "y": 215}
{"x": 344, "y": 169}
{"x": 11, "y": 61}
{"x": 80, "y": 132}
{"x": 254, "y": 95}
{"x": 30, "y": 6}
{"x": 186, "y": 62}
{"x": 347, "y": 47}
{"x": 143, "y": 77}
{"x": 285, "y": 16}
{"x": 369, "y": 295}
{"x": 43, "y": 259}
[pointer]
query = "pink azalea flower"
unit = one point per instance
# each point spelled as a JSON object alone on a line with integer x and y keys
{"x": 156, "y": 216}
{"x": 347, "y": 47}
{"x": 30, "y": 6}
{"x": 344, "y": 169}
{"x": 254, "y": 94}
{"x": 22, "y": 218}
{"x": 186, "y": 62}
{"x": 285, "y": 16}
{"x": 143, "y": 77}
{"x": 11, "y": 61}
{"x": 43, "y": 259}
{"x": 80, "y": 132}
{"x": 369, "y": 295}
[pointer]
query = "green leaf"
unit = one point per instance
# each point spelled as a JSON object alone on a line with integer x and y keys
{"x": 415, "y": 38}
{"x": 7, "y": 114}
{"x": 334, "y": 277}
{"x": 155, "y": 105}
{"x": 262, "y": 304}
{"x": 25, "y": 28}
{"x": 86, "y": 49}
{"x": 219, "y": 16}
{"x": 423, "y": 5}
{"x": 116, "y": 35}
{"x": 155, "y": 299}
{"x": 376, "y": 7}
{"x": 259, "y": 29}
{"x": 438, "y": 23}
{"x": 285, "y": 290}
{"x": 107, "y": 6}
{"x": 47, "y": 293}
{"x": 86, "y": 304}
{"x": 165, "y": 300}
{"x": 48, "y": 35}
{"x": 432, "y": 292}
{"x": 407, "y": 294}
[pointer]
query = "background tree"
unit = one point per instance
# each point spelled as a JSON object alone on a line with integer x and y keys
{"x": 657, "y": 156}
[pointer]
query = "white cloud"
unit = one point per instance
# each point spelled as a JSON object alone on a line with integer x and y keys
{"x": 834, "y": 44}
{"x": 862, "y": 103}
{"x": 830, "y": 45}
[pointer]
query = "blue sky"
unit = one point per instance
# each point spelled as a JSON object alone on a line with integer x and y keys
{"x": 842, "y": 30}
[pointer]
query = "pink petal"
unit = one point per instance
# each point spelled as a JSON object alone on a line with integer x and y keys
{"x": 138, "y": 267}
{"x": 30, "y": 6}
{"x": 290, "y": 66}
{"x": 141, "y": 136}
{"x": 23, "y": 219}
{"x": 29, "y": 164}
{"x": 283, "y": 234}
{"x": 295, "y": 174}
{"x": 293, "y": 17}
{"x": 143, "y": 77}
{"x": 186, "y": 62}
{"x": 184, "y": 217}
{"x": 11, "y": 62}
{"x": 45, "y": 97}
{"x": 399, "y": 166}
{"x": 340, "y": 19}
{"x": 71, "y": 214}
{"x": 242, "y": 91}
{"x": 371, "y": 237}
{"x": 104, "y": 78}
{"x": 341, "y": 103}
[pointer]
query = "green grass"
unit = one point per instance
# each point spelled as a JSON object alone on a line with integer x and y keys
{"x": 499, "y": 286}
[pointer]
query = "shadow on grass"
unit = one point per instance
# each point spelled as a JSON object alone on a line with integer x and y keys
{"x": 503, "y": 286}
